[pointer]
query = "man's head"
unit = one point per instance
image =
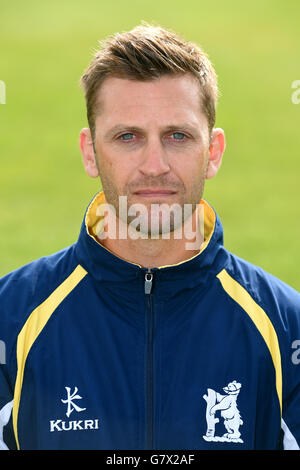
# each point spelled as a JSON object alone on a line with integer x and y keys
{"x": 145, "y": 53}
{"x": 142, "y": 89}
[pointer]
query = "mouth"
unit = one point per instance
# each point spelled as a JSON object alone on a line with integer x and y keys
{"x": 154, "y": 193}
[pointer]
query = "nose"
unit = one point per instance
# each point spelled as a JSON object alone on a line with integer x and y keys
{"x": 154, "y": 159}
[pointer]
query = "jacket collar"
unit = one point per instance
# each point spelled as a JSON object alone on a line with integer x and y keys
{"x": 103, "y": 265}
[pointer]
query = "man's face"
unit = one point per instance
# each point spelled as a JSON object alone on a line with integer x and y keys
{"x": 152, "y": 141}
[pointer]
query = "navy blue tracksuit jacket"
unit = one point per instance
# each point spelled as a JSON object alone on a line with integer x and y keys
{"x": 100, "y": 353}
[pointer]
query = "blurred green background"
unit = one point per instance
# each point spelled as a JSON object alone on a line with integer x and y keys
{"x": 255, "y": 48}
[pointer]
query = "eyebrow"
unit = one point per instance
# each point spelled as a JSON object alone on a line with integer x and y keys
{"x": 171, "y": 127}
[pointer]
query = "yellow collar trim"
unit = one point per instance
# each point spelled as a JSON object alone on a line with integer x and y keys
{"x": 94, "y": 224}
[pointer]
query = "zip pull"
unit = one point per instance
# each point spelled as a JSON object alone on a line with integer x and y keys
{"x": 148, "y": 281}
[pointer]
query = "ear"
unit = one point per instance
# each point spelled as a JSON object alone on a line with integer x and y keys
{"x": 88, "y": 153}
{"x": 216, "y": 151}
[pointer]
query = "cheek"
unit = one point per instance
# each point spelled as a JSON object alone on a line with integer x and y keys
{"x": 106, "y": 163}
{"x": 112, "y": 161}
{"x": 113, "y": 174}
{"x": 190, "y": 170}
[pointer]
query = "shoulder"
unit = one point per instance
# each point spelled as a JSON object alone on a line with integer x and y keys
{"x": 37, "y": 274}
{"x": 25, "y": 288}
{"x": 265, "y": 293}
{"x": 274, "y": 308}
{"x": 263, "y": 286}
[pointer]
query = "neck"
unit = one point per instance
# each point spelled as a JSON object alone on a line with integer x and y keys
{"x": 167, "y": 249}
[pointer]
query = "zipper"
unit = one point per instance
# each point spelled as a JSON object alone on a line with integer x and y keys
{"x": 148, "y": 281}
{"x": 148, "y": 284}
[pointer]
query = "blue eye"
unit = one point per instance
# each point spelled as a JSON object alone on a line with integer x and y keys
{"x": 127, "y": 136}
{"x": 179, "y": 135}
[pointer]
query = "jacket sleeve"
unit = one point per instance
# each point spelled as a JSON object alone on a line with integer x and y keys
{"x": 8, "y": 332}
{"x": 290, "y": 423}
{"x": 7, "y": 440}
{"x": 291, "y": 405}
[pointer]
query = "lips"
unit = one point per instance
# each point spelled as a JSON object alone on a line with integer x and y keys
{"x": 154, "y": 192}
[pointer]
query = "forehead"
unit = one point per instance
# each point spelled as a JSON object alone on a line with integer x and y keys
{"x": 167, "y": 96}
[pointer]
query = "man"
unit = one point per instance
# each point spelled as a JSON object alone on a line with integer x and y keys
{"x": 147, "y": 333}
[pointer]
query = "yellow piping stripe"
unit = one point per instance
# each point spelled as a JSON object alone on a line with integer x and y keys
{"x": 95, "y": 223}
{"x": 261, "y": 321}
{"x": 209, "y": 228}
{"x": 33, "y": 327}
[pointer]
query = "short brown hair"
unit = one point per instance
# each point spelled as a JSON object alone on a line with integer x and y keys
{"x": 145, "y": 53}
